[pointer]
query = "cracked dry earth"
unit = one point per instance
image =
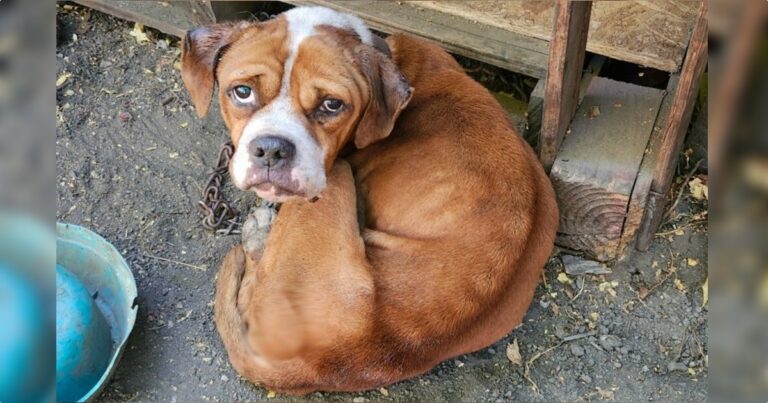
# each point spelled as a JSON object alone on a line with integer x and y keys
{"x": 131, "y": 157}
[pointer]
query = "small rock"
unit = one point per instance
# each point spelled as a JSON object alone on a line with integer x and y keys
{"x": 575, "y": 265}
{"x": 610, "y": 342}
{"x": 617, "y": 365}
{"x": 645, "y": 368}
{"x": 359, "y": 399}
{"x": 676, "y": 366}
{"x": 577, "y": 350}
{"x": 105, "y": 64}
{"x": 585, "y": 378}
{"x": 224, "y": 378}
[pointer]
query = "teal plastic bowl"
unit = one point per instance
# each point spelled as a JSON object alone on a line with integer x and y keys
{"x": 95, "y": 311}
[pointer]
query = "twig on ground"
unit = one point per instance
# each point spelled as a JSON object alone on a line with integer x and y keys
{"x": 579, "y": 336}
{"x": 680, "y": 192}
{"x": 530, "y": 362}
{"x": 200, "y": 268}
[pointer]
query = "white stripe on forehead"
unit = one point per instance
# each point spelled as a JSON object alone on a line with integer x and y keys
{"x": 301, "y": 25}
{"x": 303, "y": 20}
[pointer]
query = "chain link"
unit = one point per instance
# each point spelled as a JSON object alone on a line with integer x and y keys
{"x": 218, "y": 214}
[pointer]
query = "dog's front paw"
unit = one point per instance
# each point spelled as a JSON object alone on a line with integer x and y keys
{"x": 256, "y": 229}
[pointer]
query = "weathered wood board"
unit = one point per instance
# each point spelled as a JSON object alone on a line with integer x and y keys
{"x": 651, "y": 33}
{"x": 171, "y": 17}
{"x": 566, "y": 61}
{"x": 490, "y": 44}
{"x": 595, "y": 172}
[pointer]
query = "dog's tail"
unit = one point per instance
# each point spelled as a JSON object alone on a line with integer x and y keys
{"x": 229, "y": 321}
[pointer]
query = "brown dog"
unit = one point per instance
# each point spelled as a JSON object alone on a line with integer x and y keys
{"x": 457, "y": 217}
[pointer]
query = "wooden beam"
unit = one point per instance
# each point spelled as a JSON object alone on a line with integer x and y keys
{"x": 596, "y": 170}
{"x": 488, "y": 44}
{"x": 566, "y": 59}
{"x": 684, "y": 94}
{"x": 535, "y": 112}
{"x": 203, "y": 11}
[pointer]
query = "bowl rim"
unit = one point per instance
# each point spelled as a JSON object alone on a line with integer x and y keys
{"x": 73, "y": 233}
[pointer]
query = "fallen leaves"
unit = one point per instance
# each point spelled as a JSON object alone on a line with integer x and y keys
{"x": 679, "y": 285}
{"x": 62, "y": 79}
{"x": 513, "y": 353}
{"x": 699, "y": 189}
{"x": 593, "y": 112}
{"x": 609, "y": 287}
{"x": 138, "y": 33}
{"x": 692, "y": 262}
{"x": 564, "y": 279}
{"x": 705, "y": 293}
{"x": 271, "y": 394}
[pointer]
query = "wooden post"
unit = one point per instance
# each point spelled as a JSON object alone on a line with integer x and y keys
{"x": 566, "y": 59}
{"x": 675, "y": 126}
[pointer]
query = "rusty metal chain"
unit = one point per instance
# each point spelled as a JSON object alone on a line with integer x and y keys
{"x": 218, "y": 214}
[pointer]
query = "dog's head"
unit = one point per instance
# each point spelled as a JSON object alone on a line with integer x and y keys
{"x": 293, "y": 92}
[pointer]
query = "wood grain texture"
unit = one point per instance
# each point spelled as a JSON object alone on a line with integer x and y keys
{"x": 652, "y": 33}
{"x": 173, "y": 18}
{"x": 566, "y": 59}
{"x": 493, "y": 45}
{"x": 683, "y": 89}
{"x": 596, "y": 169}
{"x": 535, "y": 111}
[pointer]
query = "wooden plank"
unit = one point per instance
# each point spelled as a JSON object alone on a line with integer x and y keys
{"x": 566, "y": 59}
{"x": 173, "y": 18}
{"x": 595, "y": 172}
{"x": 491, "y": 45}
{"x": 652, "y": 33}
{"x": 202, "y": 11}
{"x": 675, "y": 126}
{"x": 535, "y": 112}
{"x": 643, "y": 198}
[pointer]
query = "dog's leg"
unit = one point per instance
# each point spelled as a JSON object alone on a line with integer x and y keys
{"x": 256, "y": 230}
{"x": 313, "y": 290}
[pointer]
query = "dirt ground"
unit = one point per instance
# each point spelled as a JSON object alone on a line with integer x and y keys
{"x": 131, "y": 157}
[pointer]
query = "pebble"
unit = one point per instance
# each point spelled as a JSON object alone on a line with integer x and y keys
{"x": 610, "y": 342}
{"x": 645, "y": 368}
{"x": 585, "y": 378}
{"x": 577, "y": 350}
{"x": 359, "y": 399}
{"x": 617, "y": 365}
{"x": 224, "y": 378}
{"x": 676, "y": 366}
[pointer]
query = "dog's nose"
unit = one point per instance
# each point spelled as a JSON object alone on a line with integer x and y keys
{"x": 272, "y": 151}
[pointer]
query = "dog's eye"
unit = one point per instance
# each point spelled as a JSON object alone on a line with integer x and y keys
{"x": 244, "y": 94}
{"x": 331, "y": 105}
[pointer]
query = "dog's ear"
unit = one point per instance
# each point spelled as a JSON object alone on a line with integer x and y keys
{"x": 389, "y": 94}
{"x": 200, "y": 53}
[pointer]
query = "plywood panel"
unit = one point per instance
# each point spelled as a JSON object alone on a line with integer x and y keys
{"x": 652, "y": 33}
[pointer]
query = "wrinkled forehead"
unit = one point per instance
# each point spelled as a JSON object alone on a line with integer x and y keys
{"x": 276, "y": 44}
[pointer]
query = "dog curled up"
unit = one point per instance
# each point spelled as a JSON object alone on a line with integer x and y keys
{"x": 415, "y": 220}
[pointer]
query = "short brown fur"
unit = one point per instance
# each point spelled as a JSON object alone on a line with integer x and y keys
{"x": 459, "y": 220}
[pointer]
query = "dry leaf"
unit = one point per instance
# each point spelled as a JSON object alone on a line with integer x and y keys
{"x": 62, "y": 79}
{"x": 384, "y": 391}
{"x": 593, "y": 112}
{"x": 609, "y": 287}
{"x": 271, "y": 394}
{"x": 692, "y": 262}
{"x": 513, "y": 353}
{"x": 138, "y": 33}
{"x": 564, "y": 279}
{"x": 679, "y": 285}
{"x": 699, "y": 189}
{"x": 705, "y": 292}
